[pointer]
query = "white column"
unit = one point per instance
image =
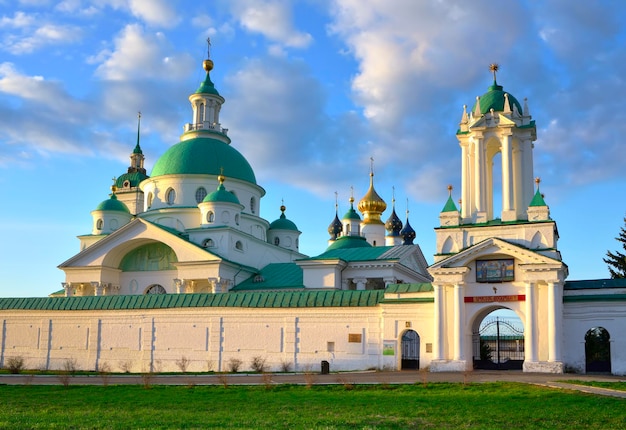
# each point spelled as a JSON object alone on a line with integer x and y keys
{"x": 69, "y": 292}
{"x": 459, "y": 320}
{"x": 97, "y": 288}
{"x": 555, "y": 319}
{"x": 507, "y": 180}
{"x": 465, "y": 184}
{"x": 360, "y": 283}
{"x": 530, "y": 333}
{"x": 438, "y": 323}
{"x": 478, "y": 177}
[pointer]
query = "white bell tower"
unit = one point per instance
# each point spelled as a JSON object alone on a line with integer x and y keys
{"x": 496, "y": 125}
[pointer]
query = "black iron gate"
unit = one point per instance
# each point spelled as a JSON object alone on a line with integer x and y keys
{"x": 498, "y": 345}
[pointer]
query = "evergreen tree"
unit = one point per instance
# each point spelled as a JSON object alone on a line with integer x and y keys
{"x": 616, "y": 261}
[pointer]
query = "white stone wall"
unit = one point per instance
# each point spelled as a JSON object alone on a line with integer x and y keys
{"x": 209, "y": 337}
{"x": 580, "y": 317}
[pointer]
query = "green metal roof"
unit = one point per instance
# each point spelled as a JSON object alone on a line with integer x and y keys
{"x": 345, "y": 242}
{"x": 274, "y": 276}
{"x": 287, "y": 299}
{"x": 363, "y": 254}
{"x": 450, "y": 206}
{"x": 112, "y": 204}
{"x": 423, "y": 287}
{"x": 352, "y": 214}
{"x": 537, "y": 200}
{"x": 207, "y": 86}
{"x": 134, "y": 178}
{"x": 494, "y": 98}
{"x": 595, "y": 284}
{"x": 204, "y": 156}
{"x": 283, "y": 223}
{"x": 221, "y": 195}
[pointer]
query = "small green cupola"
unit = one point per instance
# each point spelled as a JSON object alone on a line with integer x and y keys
{"x": 110, "y": 215}
{"x": 220, "y": 208}
{"x": 351, "y": 221}
{"x": 449, "y": 215}
{"x": 284, "y": 232}
{"x": 538, "y": 210}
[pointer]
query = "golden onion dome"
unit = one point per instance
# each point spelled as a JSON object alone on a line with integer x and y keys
{"x": 372, "y": 205}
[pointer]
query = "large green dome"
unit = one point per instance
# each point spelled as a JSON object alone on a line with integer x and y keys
{"x": 494, "y": 98}
{"x": 112, "y": 204}
{"x": 204, "y": 156}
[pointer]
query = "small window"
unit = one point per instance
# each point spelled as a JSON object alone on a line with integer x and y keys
{"x": 99, "y": 224}
{"x": 170, "y": 196}
{"x": 276, "y": 241}
{"x": 149, "y": 200}
{"x": 252, "y": 205}
{"x": 126, "y": 184}
{"x": 200, "y": 194}
{"x": 330, "y": 346}
{"x": 237, "y": 219}
{"x": 156, "y": 289}
{"x": 208, "y": 243}
{"x": 239, "y": 245}
{"x": 297, "y": 243}
{"x": 210, "y": 216}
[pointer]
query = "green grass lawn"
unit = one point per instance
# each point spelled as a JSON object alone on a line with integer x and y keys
{"x": 437, "y": 405}
{"x": 620, "y": 386}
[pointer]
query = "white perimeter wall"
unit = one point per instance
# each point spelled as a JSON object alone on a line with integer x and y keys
{"x": 210, "y": 337}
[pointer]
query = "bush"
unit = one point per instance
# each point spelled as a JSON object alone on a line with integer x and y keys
{"x": 285, "y": 366}
{"x": 234, "y": 364}
{"x": 15, "y": 364}
{"x": 183, "y": 363}
{"x": 258, "y": 364}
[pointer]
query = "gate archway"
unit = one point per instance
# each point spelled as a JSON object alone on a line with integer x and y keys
{"x": 410, "y": 350}
{"x": 498, "y": 342}
{"x": 597, "y": 350}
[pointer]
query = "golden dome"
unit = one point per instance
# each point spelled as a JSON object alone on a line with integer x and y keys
{"x": 372, "y": 205}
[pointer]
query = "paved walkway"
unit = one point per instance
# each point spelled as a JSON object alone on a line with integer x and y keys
{"x": 403, "y": 377}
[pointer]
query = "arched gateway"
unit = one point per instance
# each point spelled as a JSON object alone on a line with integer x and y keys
{"x": 410, "y": 350}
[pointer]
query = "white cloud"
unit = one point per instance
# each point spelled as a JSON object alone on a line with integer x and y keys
{"x": 155, "y": 12}
{"x": 273, "y": 20}
{"x": 142, "y": 55}
{"x": 19, "y": 20}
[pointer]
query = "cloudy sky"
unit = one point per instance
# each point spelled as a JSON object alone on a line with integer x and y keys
{"x": 313, "y": 90}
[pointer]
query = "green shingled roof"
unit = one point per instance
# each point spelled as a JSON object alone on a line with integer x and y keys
{"x": 494, "y": 99}
{"x": 287, "y": 299}
{"x": 274, "y": 276}
{"x": 345, "y": 242}
{"x": 204, "y": 156}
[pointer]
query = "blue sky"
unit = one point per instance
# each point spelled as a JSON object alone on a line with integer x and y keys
{"x": 313, "y": 90}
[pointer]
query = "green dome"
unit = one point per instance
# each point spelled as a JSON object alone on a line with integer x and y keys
{"x": 112, "y": 204}
{"x": 494, "y": 98}
{"x": 349, "y": 242}
{"x": 204, "y": 156}
{"x": 283, "y": 223}
{"x": 134, "y": 178}
{"x": 221, "y": 195}
{"x": 351, "y": 214}
{"x": 207, "y": 86}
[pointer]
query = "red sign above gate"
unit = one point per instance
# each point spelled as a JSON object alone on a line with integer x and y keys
{"x": 491, "y": 299}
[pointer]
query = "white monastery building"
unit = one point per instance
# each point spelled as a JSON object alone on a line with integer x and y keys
{"x": 180, "y": 263}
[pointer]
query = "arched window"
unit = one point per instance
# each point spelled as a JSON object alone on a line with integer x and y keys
{"x": 99, "y": 224}
{"x": 210, "y": 216}
{"x": 237, "y": 219}
{"x": 252, "y": 205}
{"x": 239, "y": 245}
{"x": 170, "y": 196}
{"x": 155, "y": 289}
{"x": 201, "y": 113}
{"x": 208, "y": 243}
{"x": 149, "y": 200}
{"x": 276, "y": 241}
{"x": 200, "y": 194}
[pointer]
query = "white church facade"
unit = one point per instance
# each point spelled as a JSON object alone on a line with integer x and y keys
{"x": 180, "y": 263}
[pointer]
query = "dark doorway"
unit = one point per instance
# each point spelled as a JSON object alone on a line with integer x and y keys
{"x": 598, "y": 350}
{"x": 410, "y": 350}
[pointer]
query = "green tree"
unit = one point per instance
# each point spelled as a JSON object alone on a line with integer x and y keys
{"x": 616, "y": 261}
